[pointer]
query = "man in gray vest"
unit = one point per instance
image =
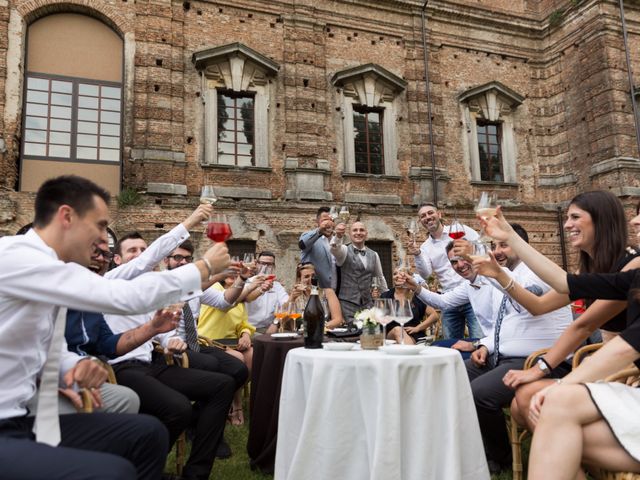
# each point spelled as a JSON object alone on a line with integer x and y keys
{"x": 358, "y": 266}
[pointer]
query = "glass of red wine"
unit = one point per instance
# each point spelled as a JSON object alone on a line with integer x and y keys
{"x": 218, "y": 228}
{"x": 456, "y": 230}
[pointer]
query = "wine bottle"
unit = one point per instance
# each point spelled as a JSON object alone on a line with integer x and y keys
{"x": 313, "y": 318}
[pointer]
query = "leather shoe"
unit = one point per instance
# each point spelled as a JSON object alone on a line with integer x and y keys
{"x": 223, "y": 450}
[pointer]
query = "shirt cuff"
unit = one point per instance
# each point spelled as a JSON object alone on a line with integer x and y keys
{"x": 190, "y": 281}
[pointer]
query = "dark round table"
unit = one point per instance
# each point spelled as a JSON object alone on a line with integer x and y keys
{"x": 266, "y": 377}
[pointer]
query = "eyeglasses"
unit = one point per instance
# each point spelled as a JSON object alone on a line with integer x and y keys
{"x": 106, "y": 254}
{"x": 260, "y": 262}
{"x": 179, "y": 258}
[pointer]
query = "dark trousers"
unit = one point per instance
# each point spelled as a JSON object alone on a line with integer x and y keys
{"x": 490, "y": 395}
{"x": 166, "y": 391}
{"x": 99, "y": 446}
{"x": 215, "y": 359}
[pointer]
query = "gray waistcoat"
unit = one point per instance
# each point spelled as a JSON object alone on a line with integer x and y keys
{"x": 355, "y": 279}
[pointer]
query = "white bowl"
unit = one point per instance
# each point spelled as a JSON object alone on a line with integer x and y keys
{"x": 339, "y": 346}
{"x": 402, "y": 349}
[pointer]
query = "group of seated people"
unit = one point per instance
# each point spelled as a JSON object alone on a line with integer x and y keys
{"x": 209, "y": 309}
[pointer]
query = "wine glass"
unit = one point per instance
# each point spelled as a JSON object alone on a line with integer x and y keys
{"x": 456, "y": 230}
{"x": 402, "y": 314}
{"x": 248, "y": 260}
{"x": 403, "y": 264}
{"x": 383, "y": 313}
{"x": 412, "y": 229}
{"x": 268, "y": 271}
{"x": 280, "y": 312}
{"x": 485, "y": 209}
{"x": 479, "y": 250}
{"x": 344, "y": 214}
{"x": 333, "y": 213}
{"x": 208, "y": 195}
{"x": 218, "y": 228}
{"x": 375, "y": 284}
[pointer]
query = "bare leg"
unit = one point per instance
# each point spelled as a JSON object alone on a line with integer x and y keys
{"x": 523, "y": 398}
{"x": 334, "y": 308}
{"x": 236, "y": 416}
{"x": 560, "y": 438}
{"x": 601, "y": 449}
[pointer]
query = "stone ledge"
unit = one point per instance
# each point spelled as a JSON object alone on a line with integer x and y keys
{"x": 480, "y": 183}
{"x": 372, "y": 198}
{"x": 236, "y": 168}
{"x": 308, "y": 195}
{"x": 160, "y": 156}
{"x": 557, "y": 180}
{"x": 244, "y": 192}
{"x": 167, "y": 188}
{"x": 614, "y": 164}
{"x": 371, "y": 176}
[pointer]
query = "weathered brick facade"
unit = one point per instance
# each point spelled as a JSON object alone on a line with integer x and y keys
{"x": 573, "y": 131}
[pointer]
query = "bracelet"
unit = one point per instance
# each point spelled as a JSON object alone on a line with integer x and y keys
{"x": 541, "y": 359}
{"x": 238, "y": 284}
{"x": 511, "y": 285}
{"x": 207, "y": 264}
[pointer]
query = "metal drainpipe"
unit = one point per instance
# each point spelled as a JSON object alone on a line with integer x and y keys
{"x": 563, "y": 247}
{"x": 630, "y": 74}
{"x": 426, "y": 79}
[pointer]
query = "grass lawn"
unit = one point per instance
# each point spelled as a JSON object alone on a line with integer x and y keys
{"x": 237, "y": 467}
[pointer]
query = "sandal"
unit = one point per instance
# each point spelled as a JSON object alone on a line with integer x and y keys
{"x": 236, "y": 417}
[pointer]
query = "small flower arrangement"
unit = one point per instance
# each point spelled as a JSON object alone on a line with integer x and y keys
{"x": 365, "y": 318}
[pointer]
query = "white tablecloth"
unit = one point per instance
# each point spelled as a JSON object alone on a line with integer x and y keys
{"x": 368, "y": 415}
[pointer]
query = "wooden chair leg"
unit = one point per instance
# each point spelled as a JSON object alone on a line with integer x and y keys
{"x": 181, "y": 445}
{"x": 516, "y": 447}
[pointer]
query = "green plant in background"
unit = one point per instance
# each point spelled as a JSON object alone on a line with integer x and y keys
{"x": 129, "y": 197}
{"x": 555, "y": 18}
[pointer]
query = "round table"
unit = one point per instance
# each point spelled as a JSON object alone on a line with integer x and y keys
{"x": 266, "y": 374}
{"x": 365, "y": 414}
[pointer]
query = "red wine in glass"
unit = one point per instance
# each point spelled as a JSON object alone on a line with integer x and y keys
{"x": 456, "y": 231}
{"x": 456, "y": 235}
{"x": 270, "y": 277}
{"x": 218, "y": 232}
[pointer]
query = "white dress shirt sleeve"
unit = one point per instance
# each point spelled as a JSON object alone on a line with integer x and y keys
{"x": 453, "y": 298}
{"x": 377, "y": 273}
{"x": 338, "y": 250}
{"x": 215, "y": 298}
{"x": 147, "y": 260}
{"x": 423, "y": 262}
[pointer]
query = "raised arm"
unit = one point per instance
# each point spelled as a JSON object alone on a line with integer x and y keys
{"x": 498, "y": 228}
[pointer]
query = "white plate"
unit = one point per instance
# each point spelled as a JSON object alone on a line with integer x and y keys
{"x": 387, "y": 342}
{"x": 284, "y": 336}
{"x": 338, "y": 346}
{"x": 402, "y": 349}
{"x": 339, "y": 330}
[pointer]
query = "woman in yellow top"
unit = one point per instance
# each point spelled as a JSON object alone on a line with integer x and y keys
{"x": 232, "y": 328}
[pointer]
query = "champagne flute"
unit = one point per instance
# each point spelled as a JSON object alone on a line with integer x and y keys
{"x": 218, "y": 228}
{"x": 333, "y": 213}
{"x": 280, "y": 312}
{"x": 412, "y": 229}
{"x": 485, "y": 209}
{"x": 344, "y": 214}
{"x": 402, "y": 315}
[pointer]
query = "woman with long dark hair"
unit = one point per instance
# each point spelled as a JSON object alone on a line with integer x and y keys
{"x": 597, "y": 226}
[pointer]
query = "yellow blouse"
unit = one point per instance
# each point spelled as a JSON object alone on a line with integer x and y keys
{"x": 214, "y": 323}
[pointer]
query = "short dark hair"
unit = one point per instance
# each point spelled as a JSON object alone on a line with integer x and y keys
{"x": 266, "y": 253}
{"x": 519, "y": 229}
{"x": 427, "y": 204}
{"x": 77, "y": 192}
{"x": 322, "y": 210}
{"x": 449, "y": 247}
{"x": 117, "y": 249}
{"x": 186, "y": 245}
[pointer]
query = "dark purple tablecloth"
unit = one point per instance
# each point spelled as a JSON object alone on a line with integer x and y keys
{"x": 266, "y": 378}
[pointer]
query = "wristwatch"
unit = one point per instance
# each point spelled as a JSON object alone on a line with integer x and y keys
{"x": 276, "y": 321}
{"x": 544, "y": 366}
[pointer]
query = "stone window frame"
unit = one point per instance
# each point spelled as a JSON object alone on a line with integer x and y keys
{"x": 496, "y": 103}
{"x": 238, "y": 68}
{"x": 371, "y": 86}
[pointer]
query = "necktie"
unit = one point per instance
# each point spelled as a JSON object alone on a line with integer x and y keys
{"x": 190, "y": 328}
{"x": 494, "y": 358}
{"x": 47, "y": 423}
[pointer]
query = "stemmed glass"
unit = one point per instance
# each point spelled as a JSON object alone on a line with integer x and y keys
{"x": 383, "y": 312}
{"x": 268, "y": 271}
{"x": 344, "y": 214}
{"x": 333, "y": 213}
{"x": 208, "y": 195}
{"x": 456, "y": 230}
{"x": 297, "y": 308}
{"x": 248, "y": 260}
{"x": 485, "y": 209}
{"x": 479, "y": 250}
{"x": 218, "y": 228}
{"x": 375, "y": 284}
{"x": 402, "y": 314}
{"x": 403, "y": 264}
{"x": 412, "y": 229}
{"x": 280, "y": 312}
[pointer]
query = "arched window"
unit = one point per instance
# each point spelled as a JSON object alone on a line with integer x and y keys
{"x": 72, "y": 106}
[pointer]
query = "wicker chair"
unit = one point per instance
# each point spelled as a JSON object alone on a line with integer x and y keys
{"x": 629, "y": 376}
{"x": 517, "y": 433}
{"x": 584, "y": 352}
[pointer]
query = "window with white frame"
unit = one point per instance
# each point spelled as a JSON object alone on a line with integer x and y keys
{"x": 237, "y": 96}
{"x": 369, "y": 104}
{"x": 489, "y": 115}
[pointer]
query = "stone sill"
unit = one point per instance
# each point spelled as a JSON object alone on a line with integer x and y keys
{"x": 484, "y": 183}
{"x": 236, "y": 168}
{"x": 372, "y": 176}
{"x": 307, "y": 170}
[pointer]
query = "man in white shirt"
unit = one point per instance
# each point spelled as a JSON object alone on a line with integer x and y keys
{"x": 514, "y": 335}
{"x": 431, "y": 258}
{"x": 261, "y": 309}
{"x": 166, "y": 391}
{"x": 44, "y": 272}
